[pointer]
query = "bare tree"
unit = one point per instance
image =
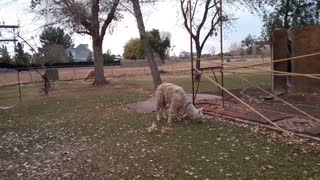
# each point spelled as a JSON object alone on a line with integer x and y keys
{"x": 91, "y": 17}
{"x": 145, "y": 41}
{"x": 205, "y": 19}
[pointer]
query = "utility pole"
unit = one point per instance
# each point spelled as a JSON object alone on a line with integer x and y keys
{"x": 14, "y": 40}
{"x": 14, "y": 27}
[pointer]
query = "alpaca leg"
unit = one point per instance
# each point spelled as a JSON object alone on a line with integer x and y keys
{"x": 159, "y": 105}
{"x": 169, "y": 117}
{"x": 171, "y": 111}
{"x": 179, "y": 117}
{"x": 158, "y": 113}
{"x": 164, "y": 113}
{"x": 158, "y": 116}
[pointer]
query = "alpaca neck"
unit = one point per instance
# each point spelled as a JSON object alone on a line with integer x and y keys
{"x": 191, "y": 111}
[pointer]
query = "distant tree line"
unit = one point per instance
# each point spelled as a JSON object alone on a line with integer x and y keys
{"x": 20, "y": 58}
{"x": 54, "y": 42}
{"x": 160, "y": 44}
{"x": 249, "y": 46}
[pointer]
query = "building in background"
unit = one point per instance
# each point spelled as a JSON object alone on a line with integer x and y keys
{"x": 81, "y": 53}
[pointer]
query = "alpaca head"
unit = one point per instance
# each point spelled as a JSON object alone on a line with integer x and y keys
{"x": 199, "y": 115}
{"x": 196, "y": 114}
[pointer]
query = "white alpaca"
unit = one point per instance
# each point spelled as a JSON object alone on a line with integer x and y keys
{"x": 90, "y": 75}
{"x": 173, "y": 99}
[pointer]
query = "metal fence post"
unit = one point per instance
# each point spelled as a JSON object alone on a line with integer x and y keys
{"x": 20, "y": 96}
{"x": 30, "y": 75}
{"x": 144, "y": 68}
{"x": 74, "y": 72}
{"x": 172, "y": 63}
{"x": 112, "y": 69}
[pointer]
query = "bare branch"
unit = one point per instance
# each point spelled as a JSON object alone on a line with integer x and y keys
{"x": 194, "y": 9}
{"x": 204, "y": 17}
{"x": 184, "y": 14}
{"x": 127, "y": 9}
{"x": 109, "y": 18}
{"x": 213, "y": 25}
{"x": 214, "y": 5}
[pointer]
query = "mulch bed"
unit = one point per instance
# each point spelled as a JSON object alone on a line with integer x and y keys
{"x": 290, "y": 122}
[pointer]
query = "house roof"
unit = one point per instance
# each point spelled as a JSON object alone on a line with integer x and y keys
{"x": 70, "y": 48}
{"x": 80, "y": 47}
{"x": 83, "y": 47}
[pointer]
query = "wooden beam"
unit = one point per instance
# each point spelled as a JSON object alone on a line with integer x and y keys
{"x": 8, "y": 40}
{"x": 9, "y": 26}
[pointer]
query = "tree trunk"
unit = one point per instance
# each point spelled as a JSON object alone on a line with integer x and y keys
{"x": 198, "y": 62}
{"x": 147, "y": 47}
{"x": 98, "y": 62}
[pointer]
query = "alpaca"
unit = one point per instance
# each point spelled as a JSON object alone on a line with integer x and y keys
{"x": 172, "y": 99}
{"x": 90, "y": 75}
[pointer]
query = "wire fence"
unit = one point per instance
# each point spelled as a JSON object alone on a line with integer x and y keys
{"x": 9, "y": 77}
{"x": 291, "y": 129}
{"x": 19, "y": 85}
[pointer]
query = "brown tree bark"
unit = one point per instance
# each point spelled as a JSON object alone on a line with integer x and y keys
{"x": 97, "y": 40}
{"x": 199, "y": 51}
{"x": 198, "y": 62}
{"x": 98, "y": 63}
{"x": 147, "y": 47}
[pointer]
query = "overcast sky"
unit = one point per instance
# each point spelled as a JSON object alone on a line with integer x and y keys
{"x": 163, "y": 16}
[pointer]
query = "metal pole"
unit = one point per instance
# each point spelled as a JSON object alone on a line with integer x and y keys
{"x": 111, "y": 71}
{"x": 172, "y": 63}
{"x": 144, "y": 67}
{"x": 15, "y": 44}
{"x": 74, "y": 72}
{"x": 191, "y": 52}
{"x": 221, "y": 53}
{"x": 46, "y": 83}
{"x": 19, "y": 86}
{"x": 30, "y": 75}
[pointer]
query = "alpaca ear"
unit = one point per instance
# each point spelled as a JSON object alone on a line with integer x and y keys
{"x": 200, "y": 110}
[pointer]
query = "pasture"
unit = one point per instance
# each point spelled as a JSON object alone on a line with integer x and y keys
{"x": 82, "y": 132}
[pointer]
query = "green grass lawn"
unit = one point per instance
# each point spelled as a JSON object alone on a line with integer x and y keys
{"x": 83, "y": 135}
{"x": 230, "y": 82}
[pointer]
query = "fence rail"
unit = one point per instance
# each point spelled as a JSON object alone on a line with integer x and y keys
{"x": 9, "y": 77}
